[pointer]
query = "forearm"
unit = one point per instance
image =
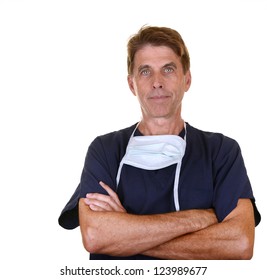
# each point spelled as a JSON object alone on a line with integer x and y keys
{"x": 123, "y": 234}
{"x": 204, "y": 244}
{"x": 231, "y": 239}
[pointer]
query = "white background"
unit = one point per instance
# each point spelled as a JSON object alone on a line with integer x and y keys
{"x": 63, "y": 82}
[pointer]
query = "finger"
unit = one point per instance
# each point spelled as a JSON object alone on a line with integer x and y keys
{"x": 114, "y": 196}
{"x": 110, "y": 192}
{"x": 102, "y": 205}
{"x": 96, "y": 208}
{"x": 100, "y": 197}
{"x": 86, "y": 201}
{"x": 104, "y": 201}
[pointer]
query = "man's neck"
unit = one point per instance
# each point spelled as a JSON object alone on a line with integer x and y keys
{"x": 160, "y": 126}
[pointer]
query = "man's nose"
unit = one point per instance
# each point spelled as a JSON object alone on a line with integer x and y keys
{"x": 157, "y": 81}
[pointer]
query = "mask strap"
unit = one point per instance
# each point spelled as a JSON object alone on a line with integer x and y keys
{"x": 185, "y": 131}
{"x": 121, "y": 163}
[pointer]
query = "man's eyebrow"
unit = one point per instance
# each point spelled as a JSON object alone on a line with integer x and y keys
{"x": 146, "y": 66}
{"x": 172, "y": 64}
{"x": 142, "y": 67}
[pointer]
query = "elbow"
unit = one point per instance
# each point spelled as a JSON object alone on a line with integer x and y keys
{"x": 247, "y": 252}
{"x": 90, "y": 241}
{"x": 94, "y": 243}
{"x": 244, "y": 249}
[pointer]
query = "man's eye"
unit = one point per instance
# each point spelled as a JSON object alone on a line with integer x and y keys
{"x": 145, "y": 72}
{"x": 168, "y": 70}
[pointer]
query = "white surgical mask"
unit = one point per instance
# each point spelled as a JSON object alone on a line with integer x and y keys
{"x": 155, "y": 152}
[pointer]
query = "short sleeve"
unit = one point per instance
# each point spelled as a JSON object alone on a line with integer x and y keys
{"x": 95, "y": 169}
{"x": 231, "y": 181}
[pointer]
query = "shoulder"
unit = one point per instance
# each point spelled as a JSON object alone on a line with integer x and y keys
{"x": 112, "y": 144}
{"x": 213, "y": 139}
{"x": 115, "y": 138}
{"x": 211, "y": 144}
{"x": 118, "y": 135}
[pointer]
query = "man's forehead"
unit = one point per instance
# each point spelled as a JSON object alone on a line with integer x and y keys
{"x": 158, "y": 56}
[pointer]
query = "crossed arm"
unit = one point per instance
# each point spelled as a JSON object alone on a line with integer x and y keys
{"x": 106, "y": 228}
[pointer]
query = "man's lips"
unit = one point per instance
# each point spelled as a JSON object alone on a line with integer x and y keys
{"x": 159, "y": 97}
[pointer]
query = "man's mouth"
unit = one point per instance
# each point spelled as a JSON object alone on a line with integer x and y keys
{"x": 159, "y": 97}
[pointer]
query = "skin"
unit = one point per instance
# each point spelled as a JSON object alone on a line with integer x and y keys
{"x": 132, "y": 234}
{"x": 159, "y": 83}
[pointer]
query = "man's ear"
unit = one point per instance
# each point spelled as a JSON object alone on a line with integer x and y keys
{"x": 187, "y": 80}
{"x": 131, "y": 84}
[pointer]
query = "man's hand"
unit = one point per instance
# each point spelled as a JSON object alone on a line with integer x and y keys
{"x": 101, "y": 202}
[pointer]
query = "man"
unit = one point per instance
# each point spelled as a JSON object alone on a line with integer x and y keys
{"x": 162, "y": 189}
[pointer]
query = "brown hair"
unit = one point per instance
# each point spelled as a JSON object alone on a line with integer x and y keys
{"x": 157, "y": 36}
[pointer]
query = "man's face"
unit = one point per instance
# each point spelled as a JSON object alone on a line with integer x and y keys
{"x": 159, "y": 82}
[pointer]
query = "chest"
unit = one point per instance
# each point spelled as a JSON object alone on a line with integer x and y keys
{"x": 152, "y": 191}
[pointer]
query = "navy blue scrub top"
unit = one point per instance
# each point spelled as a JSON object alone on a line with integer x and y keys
{"x": 213, "y": 175}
